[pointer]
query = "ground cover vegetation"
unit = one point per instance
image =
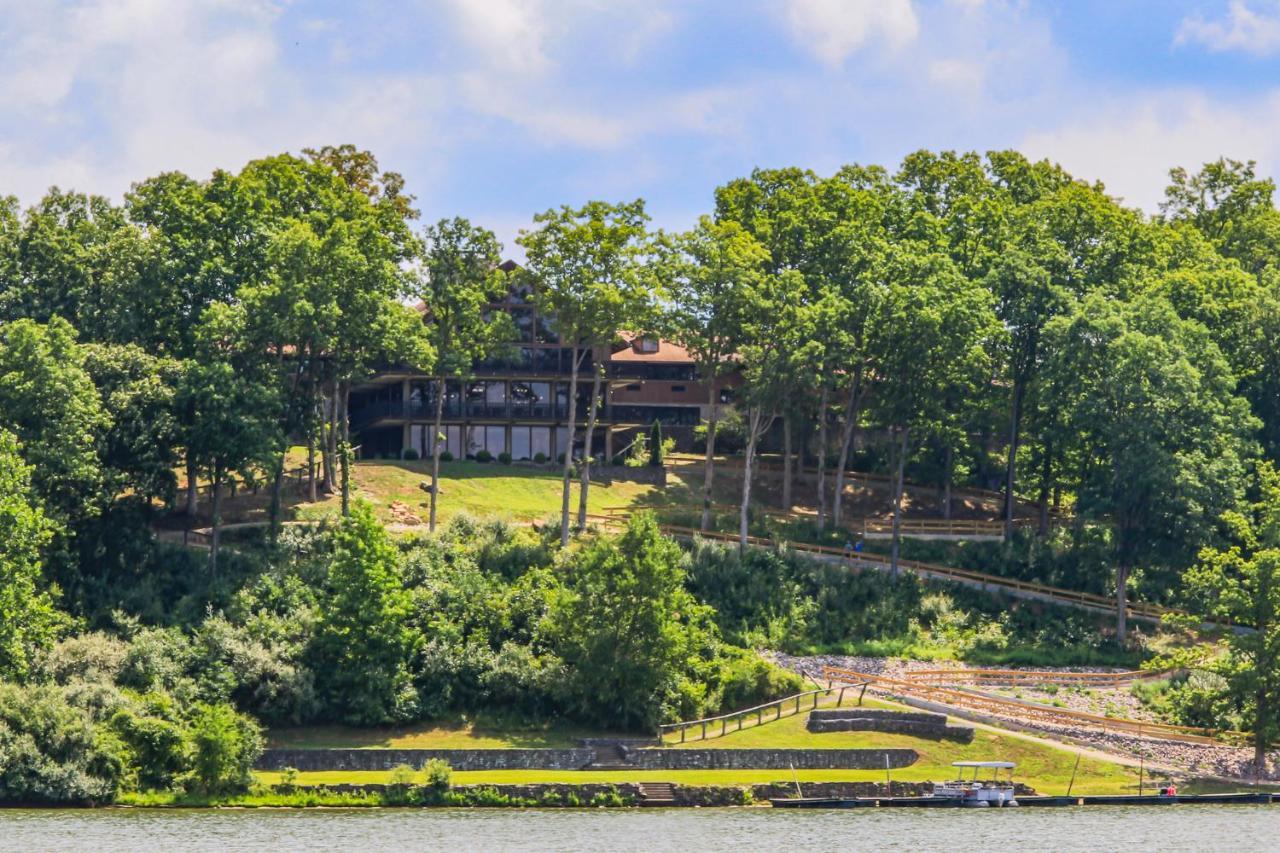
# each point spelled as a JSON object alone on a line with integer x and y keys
{"x": 966, "y": 321}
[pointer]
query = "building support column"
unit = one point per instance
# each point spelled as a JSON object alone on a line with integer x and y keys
{"x": 608, "y": 444}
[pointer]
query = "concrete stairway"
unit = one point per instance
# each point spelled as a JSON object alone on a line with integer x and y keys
{"x": 657, "y": 794}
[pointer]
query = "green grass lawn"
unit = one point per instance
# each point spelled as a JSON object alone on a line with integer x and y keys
{"x": 482, "y": 732}
{"x": 491, "y": 490}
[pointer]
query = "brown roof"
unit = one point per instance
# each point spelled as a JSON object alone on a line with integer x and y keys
{"x": 668, "y": 352}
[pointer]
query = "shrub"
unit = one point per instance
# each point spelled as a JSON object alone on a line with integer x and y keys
{"x": 657, "y": 449}
{"x": 484, "y": 456}
{"x": 504, "y": 458}
{"x": 288, "y": 783}
{"x": 224, "y": 746}
{"x": 540, "y": 458}
{"x": 409, "y": 455}
{"x": 52, "y": 752}
{"x": 436, "y": 774}
{"x": 446, "y": 456}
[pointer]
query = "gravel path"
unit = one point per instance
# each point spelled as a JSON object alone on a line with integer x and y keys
{"x": 1197, "y": 759}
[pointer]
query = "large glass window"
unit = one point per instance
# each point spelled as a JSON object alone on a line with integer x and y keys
{"x": 495, "y": 440}
{"x": 520, "y": 443}
{"x": 539, "y": 441}
{"x": 418, "y": 438}
{"x": 453, "y": 441}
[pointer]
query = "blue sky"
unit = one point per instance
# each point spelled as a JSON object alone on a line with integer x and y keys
{"x": 495, "y": 109}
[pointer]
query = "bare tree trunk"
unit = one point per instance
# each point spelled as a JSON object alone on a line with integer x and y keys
{"x": 786, "y": 464}
{"x": 897, "y": 500}
{"x": 438, "y": 424}
{"x": 948, "y": 473}
{"x": 344, "y": 457}
{"x": 1122, "y": 604}
{"x": 568, "y": 451}
{"x": 823, "y": 406}
{"x": 753, "y": 435}
{"x": 851, "y": 414}
{"x": 311, "y": 463}
{"x": 1046, "y": 474}
{"x": 1010, "y": 501}
{"x": 277, "y": 485}
{"x": 585, "y": 482}
{"x": 216, "y": 537}
{"x": 709, "y": 464}
{"x": 329, "y": 436}
{"x": 193, "y": 488}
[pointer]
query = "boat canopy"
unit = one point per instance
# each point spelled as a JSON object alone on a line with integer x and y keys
{"x": 1002, "y": 765}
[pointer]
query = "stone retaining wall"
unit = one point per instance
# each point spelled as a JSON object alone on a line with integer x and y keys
{"x": 576, "y": 759}
{"x": 771, "y": 759}
{"x": 459, "y": 759}
{"x": 894, "y": 722}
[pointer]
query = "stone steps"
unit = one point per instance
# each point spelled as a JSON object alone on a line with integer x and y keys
{"x": 657, "y": 794}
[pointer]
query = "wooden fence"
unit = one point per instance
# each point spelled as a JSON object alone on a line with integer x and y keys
{"x": 1071, "y": 598}
{"x": 788, "y": 706}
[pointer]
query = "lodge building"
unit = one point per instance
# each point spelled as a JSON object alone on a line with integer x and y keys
{"x": 518, "y": 402}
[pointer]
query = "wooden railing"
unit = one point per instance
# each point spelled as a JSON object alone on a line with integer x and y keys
{"x": 1031, "y": 712}
{"x": 1068, "y": 597}
{"x": 253, "y": 484}
{"x": 788, "y": 706}
{"x": 1027, "y": 677}
{"x": 909, "y": 526}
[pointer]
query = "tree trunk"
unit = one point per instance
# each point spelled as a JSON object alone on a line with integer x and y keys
{"x": 753, "y": 435}
{"x": 311, "y": 464}
{"x": 585, "y": 482}
{"x": 851, "y": 414}
{"x": 1015, "y": 421}
{"x": 786, "y": 464}
{"x": 216, "y": 536}
{"x": 1046, "y": 476}
{"x": 277, "y": 485}
{"x": 1122, "y": 603}
{"x": 437, "y": 425}
{"x": 344, "y": 456}
{"x": 948, "y": 474}
{"x": 823, "y": 406}
{"x": 329, "y": 436}
{"x": 709, "y": 464}
{"x": 568, "y": 451}
{"x": 193, "y": 488}
{"x": 897, "y": 500}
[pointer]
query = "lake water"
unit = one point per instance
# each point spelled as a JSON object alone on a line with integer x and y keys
{"x": 1169, "y": 828}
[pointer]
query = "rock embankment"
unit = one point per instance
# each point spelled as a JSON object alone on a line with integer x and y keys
{"x": 1200, "y": 759}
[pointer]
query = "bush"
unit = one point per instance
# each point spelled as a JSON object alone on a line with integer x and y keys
{"x": 446, "y": 456}
{"x": 409, "y": 455}
{"x": 224, "y": 744}
{"x": 504, "y": 458}
{"x": 657, "y": 448}
{"x": 540, "y": 458}
{"x": 436, "y": 774}
{"x": 484, "y": 456}
{"x": 51, "y": 752}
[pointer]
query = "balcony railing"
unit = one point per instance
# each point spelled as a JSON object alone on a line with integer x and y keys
{"x": 666, "y": 415}
{"x": 426, "y": 410}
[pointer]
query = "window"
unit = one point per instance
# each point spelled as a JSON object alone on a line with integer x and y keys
{"x": 647, "y": 343}
{"x": 495, "y": 440}
{"x": 677, "y": 389}
{"x": 726, "y": 395}
{"x": 539, "y": 441}
{"x": 633, "y": 387}
{"x": 520, "y": 443}
{"x": 523, "y": 319}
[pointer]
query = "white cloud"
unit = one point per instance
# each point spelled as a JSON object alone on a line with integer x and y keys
{"x": 1244, "y": 29}
{"x": 508, "y": 35}
{"x": 1131, "y": 143}
{"x": 833, "y": 30}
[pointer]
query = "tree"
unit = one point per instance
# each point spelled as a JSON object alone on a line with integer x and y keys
{"x": 931, "y": 335}
{"x": 364, "y": 642}
{"x": 708, "y": 270}
{"x": 28, "y": 619}
{"x": 629, "y": 629}
{"x": 1149, "y": 413}
{"x": 584, "y": 263}
{"x": 224, "y": 746}
{"x": 459, "y": 278}
{"x": 1240, "y": 585}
